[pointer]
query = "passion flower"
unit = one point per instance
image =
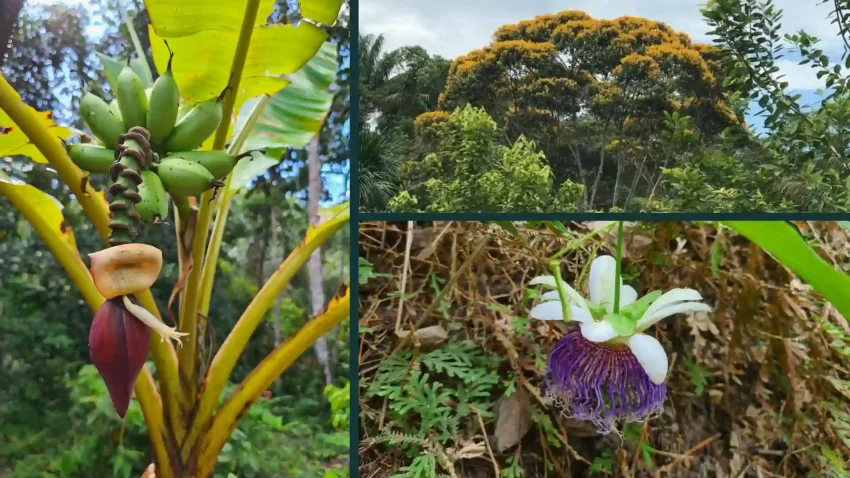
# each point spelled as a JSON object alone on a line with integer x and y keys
{"x": 608, "y": 370}
{"x": 119, "y": 338}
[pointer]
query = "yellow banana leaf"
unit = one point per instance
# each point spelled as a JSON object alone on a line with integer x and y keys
{"x": 14, "y": 142}
{"x": 203, "y": 37}
{"x": 48, "y": 207}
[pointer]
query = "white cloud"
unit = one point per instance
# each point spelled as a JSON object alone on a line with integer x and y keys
{"x": 799, "y": 77}
{"x": 453, "y": 27}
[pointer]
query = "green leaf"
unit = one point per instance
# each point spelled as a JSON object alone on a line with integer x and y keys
{"x": 249, "y": 168}
{"x": 509, "y": 227}
{"x": 322, "y": 11}
{"x": 295, "y": 114}
{"x": 624, "y": 326}
{"x": 636, "y": 309}
{"x": 785, "y": 244}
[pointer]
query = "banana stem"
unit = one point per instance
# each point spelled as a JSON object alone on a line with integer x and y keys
{"x": 263, "y": 375}
{"x": 229, "y": 352}
{"x": 214, "y": 248}
{"x": 189, "y": 314}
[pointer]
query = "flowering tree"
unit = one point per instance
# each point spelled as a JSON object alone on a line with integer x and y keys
{"x": 186, "y": 427}
{"x": 563, "y": 78}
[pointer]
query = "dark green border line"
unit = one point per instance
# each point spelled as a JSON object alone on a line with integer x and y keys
{"x": 354, "y": 255}
{"x": 625, "y": 216}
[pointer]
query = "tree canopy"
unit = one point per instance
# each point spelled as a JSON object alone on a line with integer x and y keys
{"x": 627, "y": 114}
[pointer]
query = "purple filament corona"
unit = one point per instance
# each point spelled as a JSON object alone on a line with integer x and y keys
{"x": 600, "y": 383}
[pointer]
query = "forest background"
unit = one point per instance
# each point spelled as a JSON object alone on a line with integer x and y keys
{"x": 56, "y": 415}
{"x": 566, "y": 111}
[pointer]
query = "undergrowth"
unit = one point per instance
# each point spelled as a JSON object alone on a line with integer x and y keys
{"x": 759, "y": 387}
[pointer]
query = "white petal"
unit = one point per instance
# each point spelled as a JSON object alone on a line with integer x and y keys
{"x": 550, "y": 282}
{"x": 673, "y": 296}
{"x": 651, "y": 356}
{"x": 552, "y": 311}
{"x": 551, "y": 295}
{"x": 598, "y": 331}
{"x": 628, "y": 294}
{"x": 603, "y": 271}
{"x": 648, "y": 320}
{"x": 164, "y": 331}
{"x": 543, "y": 280}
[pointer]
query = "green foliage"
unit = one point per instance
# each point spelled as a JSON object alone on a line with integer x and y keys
{"x": 699, "y": 375}
{"x": 471, "y": 171}
{"x": 432, "y": 395}
{"x": 807, "y": 140}
{"x": 604, "y": 463}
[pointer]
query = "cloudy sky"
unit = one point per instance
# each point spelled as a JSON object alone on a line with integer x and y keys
{"x": 453, "y": 27}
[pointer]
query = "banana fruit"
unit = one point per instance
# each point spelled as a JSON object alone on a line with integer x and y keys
{"x": 198, "y": 124}
{"x": 91, "y": 157}
{"x": 164, "y": 101}
{"x": 184, "y": 178}
{"x": 218, "y": 163}
{"x": 103, "y": 123}
{"x": 132, "y": 99}
{"x": 154, "y": 204}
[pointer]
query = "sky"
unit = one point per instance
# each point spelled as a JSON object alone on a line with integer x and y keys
{"x": 451, "y": 28}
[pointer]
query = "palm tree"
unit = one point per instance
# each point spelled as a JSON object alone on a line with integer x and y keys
{"x": 379, "y": 161}
{"x": 376, "y": 69}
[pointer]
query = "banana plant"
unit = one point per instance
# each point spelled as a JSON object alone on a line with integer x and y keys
{"x": 272, "y": 68}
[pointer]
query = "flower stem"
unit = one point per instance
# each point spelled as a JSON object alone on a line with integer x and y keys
{"x": 581, "y": 240}
{"x": 562, "y": 295}
{"x": 618, "y": 268}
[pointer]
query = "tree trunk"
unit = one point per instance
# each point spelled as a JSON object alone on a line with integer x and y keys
{"x": 314, "y": 267}
{"x": 617, "y": 181}
{"x": 9, "y": 12}
{"x": 635, "y": 181}
{"x": 601, "y": 166}
{"x": 660, "y": 176}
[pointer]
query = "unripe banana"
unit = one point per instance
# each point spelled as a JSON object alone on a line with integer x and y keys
{"x": 184, "y": 178}
{"x": 91, "y": 157}
{"x": 113, "y": 107}
{"x": 163, "y": 105}
{"x": 154, "y": 203}
{"x": 103, "y": 123}
{"x": 196, "y": 126}
{"x": 131, "y": 98}
{"x": 218, "y": 163}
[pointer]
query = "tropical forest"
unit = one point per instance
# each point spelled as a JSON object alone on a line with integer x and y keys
{"x": 567, "y": 112}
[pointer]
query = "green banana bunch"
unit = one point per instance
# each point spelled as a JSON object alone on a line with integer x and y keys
{"x": 184, "y": 178}
{"x": 105, "y": 125}
{"x": 218, "y": 163}
{"x": 198, "y": 124}
{"x": 91, "y": 157}
{"x": 153, "y": 206}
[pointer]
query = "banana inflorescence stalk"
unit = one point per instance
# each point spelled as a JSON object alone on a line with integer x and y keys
{"x": 126, "y": 173}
